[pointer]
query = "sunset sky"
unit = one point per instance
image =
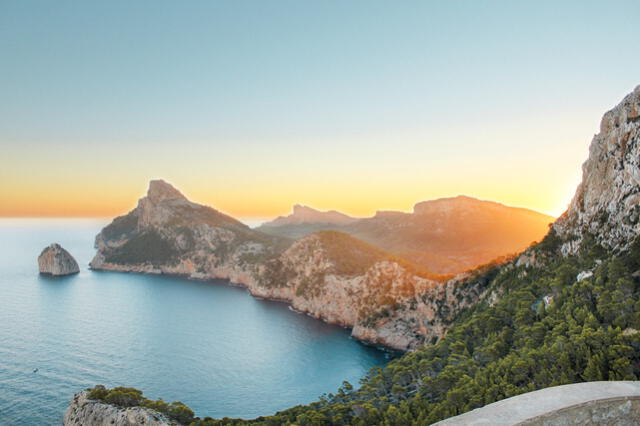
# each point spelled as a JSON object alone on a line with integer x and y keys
{"x": 252, "y": 106}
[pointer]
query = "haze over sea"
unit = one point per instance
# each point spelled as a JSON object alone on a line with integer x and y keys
{"x": 207, "y": 344}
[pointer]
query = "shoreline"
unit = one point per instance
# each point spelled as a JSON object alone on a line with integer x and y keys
{"x": 228, "y": 282}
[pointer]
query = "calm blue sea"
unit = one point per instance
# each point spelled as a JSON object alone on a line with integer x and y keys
{"x": 207, "y": 344}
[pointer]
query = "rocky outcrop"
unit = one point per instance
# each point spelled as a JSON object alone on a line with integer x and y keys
{"x": 607, "y": 202}
{"x": 54, "y": 260}
{"x": 83, "y": 411}
{"x": 328, "y": 275}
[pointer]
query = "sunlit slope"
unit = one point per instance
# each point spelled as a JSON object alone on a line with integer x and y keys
{"x": 448, "y": 235}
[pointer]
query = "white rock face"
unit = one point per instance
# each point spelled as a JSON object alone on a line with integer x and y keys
{"x": 83, "y": 411}
{"x": 55, "y": 260}
{"x": 607, "y": 202}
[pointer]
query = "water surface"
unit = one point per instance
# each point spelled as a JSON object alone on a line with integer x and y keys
{"x": 207, "y": 344}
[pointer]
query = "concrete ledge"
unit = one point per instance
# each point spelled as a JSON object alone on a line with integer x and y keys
{"x": 591, "y": 403}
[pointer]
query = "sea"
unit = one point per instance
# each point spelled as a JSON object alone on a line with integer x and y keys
{"x": 208, "y": 344}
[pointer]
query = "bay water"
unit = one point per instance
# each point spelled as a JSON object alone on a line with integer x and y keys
{"x": 208, "y": 344}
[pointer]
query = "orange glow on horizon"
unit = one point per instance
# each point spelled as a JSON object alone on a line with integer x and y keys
{"x": 358, "y": 201}
{"x": 268, "y": 180}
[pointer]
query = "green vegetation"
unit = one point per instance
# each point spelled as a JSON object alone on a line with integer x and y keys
{"x": 586, "y": 330}
{"x": 185, "y": 214}
{"x": 121, "y": 226}
{"x": 131, "y": 397}
{"x": 147, "y": 247}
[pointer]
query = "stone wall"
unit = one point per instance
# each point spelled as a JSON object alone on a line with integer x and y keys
{"x": 591, "y": 403}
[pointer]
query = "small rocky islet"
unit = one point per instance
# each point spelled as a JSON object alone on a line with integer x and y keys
{"x": 55, "y": 260}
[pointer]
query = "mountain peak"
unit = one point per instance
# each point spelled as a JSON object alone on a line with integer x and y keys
{"x": 607, "y": 202}
{"x": 300, "y": 209}
{"x": 448, "y": 203}
{"x": 159, "y": 190}
{"x": 308, "y": 215}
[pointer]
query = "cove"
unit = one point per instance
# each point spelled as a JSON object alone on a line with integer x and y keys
{"x": 208, "y": 344}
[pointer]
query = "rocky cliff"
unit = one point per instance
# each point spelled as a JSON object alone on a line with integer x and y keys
{"x": 385, "y": 300}
{"x": 83, "y": 411}
{"x": 607, "y": 202}
{"x": 166, "y": 233}
{"x": 54, "y": 260}
{"x": 329, "y": 275}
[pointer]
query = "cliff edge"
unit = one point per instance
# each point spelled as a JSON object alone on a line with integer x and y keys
{"x": 607, "y": 202}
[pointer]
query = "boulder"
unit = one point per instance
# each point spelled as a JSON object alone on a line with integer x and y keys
{"x": 55, "y": 260}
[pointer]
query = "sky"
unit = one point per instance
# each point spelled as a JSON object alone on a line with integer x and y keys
{"x": 253, "y": 106}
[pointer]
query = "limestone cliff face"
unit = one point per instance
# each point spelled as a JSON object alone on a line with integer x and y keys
{"x": 328, "y": 275}
{"x": 55, "y": 260}
{"x": 607, "y": 202}
{"x": 83, "y": 411}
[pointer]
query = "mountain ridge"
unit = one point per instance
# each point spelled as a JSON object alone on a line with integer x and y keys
{"x": 447, "y": 235}
{"x": 304, "y": 214}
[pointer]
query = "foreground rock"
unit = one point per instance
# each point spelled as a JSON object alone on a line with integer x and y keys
{"x": 83, "y": 411}
{"x": 55, "y": 260}
{"x": 329, "y": 275}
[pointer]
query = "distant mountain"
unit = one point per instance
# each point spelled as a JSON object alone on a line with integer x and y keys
{"x": 447, "y": 235}
{"x": 304, "y": 221}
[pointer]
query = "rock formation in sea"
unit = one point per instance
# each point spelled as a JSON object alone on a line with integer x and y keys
{"x": 83, "y": 411}
{"x": 55, "y": 260}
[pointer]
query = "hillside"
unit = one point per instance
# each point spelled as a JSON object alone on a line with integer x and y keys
{"x": 447, "y": 235}
{"x": 566, "y": 310}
